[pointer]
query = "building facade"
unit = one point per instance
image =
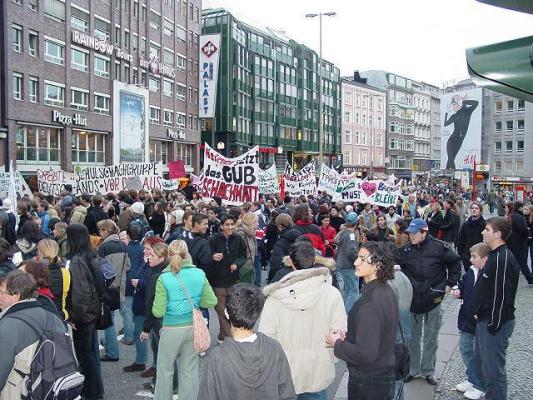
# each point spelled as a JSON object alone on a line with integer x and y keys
{"x": 267, "y": 95}
{"x": 100, "y": 82}
{"x": 363, "y": 128}
{"x": 400, "y": 136}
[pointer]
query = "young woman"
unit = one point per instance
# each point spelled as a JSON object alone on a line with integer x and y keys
{"x": 368, "y": 345}
{"x": 335, "y": 219}
{"x": 157, "y": 219}
{"x": 329, "y": 236}
{"x": 180, "y": 284}
{"x": 30, "y": 235}
{"x": 60, "y": 236}
{"x": 6, "y": 265}
{"x": 245, "y": 227}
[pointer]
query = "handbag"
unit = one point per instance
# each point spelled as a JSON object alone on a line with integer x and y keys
{"x": 104, "y": 319}
{"x": 402, "y": 362}
{"x": 200, "y": 332}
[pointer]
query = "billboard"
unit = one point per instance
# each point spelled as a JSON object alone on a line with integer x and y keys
{"x": 209, "y": 59}
{"x": 460, "y": 129}
{"x": 130, "y": 123}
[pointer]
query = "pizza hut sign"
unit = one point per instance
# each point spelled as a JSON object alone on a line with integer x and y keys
{"x": 76, "y": 119}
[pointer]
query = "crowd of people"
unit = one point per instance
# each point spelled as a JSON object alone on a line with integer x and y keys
{"x": 295, "y": 283}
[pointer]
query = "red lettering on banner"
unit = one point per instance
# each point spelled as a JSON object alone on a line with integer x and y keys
{"x": 230, "y": 193}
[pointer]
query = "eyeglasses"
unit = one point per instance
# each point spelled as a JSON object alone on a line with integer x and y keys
{"x": 365, "y": 258}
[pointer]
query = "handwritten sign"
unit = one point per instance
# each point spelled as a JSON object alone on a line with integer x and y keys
{"x": 268, "y": 180}
{"x": 53, "y": 182}
{"x": 328, "y": 179}
{"x": 301, "y": 183}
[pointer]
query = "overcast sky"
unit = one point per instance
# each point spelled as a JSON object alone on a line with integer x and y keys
{"x": 422, "y": 39}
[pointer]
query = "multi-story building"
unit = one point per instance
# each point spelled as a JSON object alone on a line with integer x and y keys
{"x": 267, "y": 95}
{"x": 400, "y": 147}
{"x": 363, "y": 128}
{"x": 99, "y": 82}
{"x": 435, "y": 131}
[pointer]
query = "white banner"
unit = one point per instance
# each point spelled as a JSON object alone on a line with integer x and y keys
{"x": 268, "y": 180}
{"x": 53, "y": 182}
{"x": 21, "y": 186}
{"x": 170, "y": 184}
{"x": 209, "y": 59}
{"x": 197, "y": 180}
{"x": 328, "y": 180}
{"x": 300, "y": 183}
{"x": 114, "y": 178}
{"x": 379, "y": 193}
{"x": 234, "y": 180}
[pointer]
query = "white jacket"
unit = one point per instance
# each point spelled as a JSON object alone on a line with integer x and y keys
{"x": 300, "y": 310}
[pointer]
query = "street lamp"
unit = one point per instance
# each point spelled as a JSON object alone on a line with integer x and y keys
{"x": 320, "y": 127}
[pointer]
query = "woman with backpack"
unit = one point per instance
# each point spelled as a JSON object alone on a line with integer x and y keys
{"x": 180, "y": 287}
{"x": 84, "y": 302}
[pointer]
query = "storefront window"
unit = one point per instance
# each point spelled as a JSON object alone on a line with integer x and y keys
{"x": 37, "y": 144}
{"x": 158, "y": 151}
{"x": 88, "y": 147}
{"x": 184, "y": 152}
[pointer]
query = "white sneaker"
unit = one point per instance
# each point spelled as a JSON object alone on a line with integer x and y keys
{"x": 202, "y": 354}
{"x": 474, "y": 394}
{"x": 464, "y": 386}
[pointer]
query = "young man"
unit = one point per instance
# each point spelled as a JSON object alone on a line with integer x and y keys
{"x": 347, "y": 241}
{"x": 494, "y": 309}
{"x": 214, "y": 222}
{"x": 247, "y": 365}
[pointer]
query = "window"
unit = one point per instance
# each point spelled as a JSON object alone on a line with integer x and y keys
{"x": 135, "y": 9}
{"x": 102, "y": 29}
{"x": 510, "y": 105}
{"x": 155, "y": 20}
{"x": 168, "y": 57}
{"x": 117, "y": 35}
{"x": 520, "y": 146}
{"x": 79, "y": 59}
{"x": 54, "y": 52}
{"x": 33, "y": 44}
{"x": 498, "y": 106}
{"x": 520, "y": 124}
{"x": 181, "y": 62}
{"x": 168, "y": 28}
{"x": 184, "y": 152}
{"x": 498, "y": 148}
{"x": 79, "y": 19}
{"x": 509, "y": 146}
{"x": 168, "y": 117}
{"x": 498, "y": 126}
{"x": 168, "y": 87}
{"x": 101, "y": 66}
{"x": 348, "y": 137}
{"x": 116, "y": 72}
{"x": 158, "y": 151}
{"x": 37, "y": 144}
{"x": 509, "y": 126}
{"x": 508, "y": 166}
{"x": 16, "y": 38}
{"x": 521, "y": 105}
{"x": 33, "y": 5}
{"x": 155, "y": 51}
{"x": 33, "y": 93}
{"x": 55, "y": 9}
{"x": 17, "y": 86}
{"x": 181, "y": 120}
{"x": 155, "y": 115}
{"x": 348, "y": 157}
{"x": 101, "y": 103}
{"x": 88, "y": 147}
{"x": 181, "y": 34}
{"x": 154, "y": 84}
{"x": 126, "y": 39}
{"x": 143, "y": 13}
{"x": 180, "y": 91}
{"x": 79, "y": 99}
{"x": 498, "y": 166}
{"x": 54, "y": 94}
{"x": 520, "y": 166}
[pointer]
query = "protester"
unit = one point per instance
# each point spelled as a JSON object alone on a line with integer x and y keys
{"x": 381, "y": 232}
{"x": 80, "y": 211}
{"x": 517, "y": 241}
{"x": 245, "y": 228}
{"x": 435, "y": 220}
{"x": 95, "y": 214}
{"x": 303, "y": 223}
{"x": 6, "y": 256}
{"x": 470, "y": 233}
{"x": 347, "y": 247}
{"x": 329, "y": 234}
{"x": 157, "y": 219}
{"x": 287, "y": 236}
{"x": 451, "y": 224}
{"x": 30, "y": 235}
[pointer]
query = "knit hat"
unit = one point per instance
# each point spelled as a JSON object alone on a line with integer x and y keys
{"x": 178, "y": 214}
{"x": 137, "y": 207}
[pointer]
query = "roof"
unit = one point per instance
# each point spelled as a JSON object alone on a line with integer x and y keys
{"x": 349, "y": 80}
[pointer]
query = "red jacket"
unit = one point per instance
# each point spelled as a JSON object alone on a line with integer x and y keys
{"x": 329, "y": 233}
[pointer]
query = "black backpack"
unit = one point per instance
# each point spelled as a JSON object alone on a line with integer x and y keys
{"x": 54, "y": 372}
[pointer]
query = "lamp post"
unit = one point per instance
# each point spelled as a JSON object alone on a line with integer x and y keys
{"x": 320, "y": 125}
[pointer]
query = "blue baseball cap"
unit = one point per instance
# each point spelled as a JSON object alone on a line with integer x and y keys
{"x": 351, "y": 218}
{"x": 417, "y": 225}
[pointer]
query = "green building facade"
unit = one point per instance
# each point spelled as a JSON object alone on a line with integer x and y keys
{"x": 267, "y": 95}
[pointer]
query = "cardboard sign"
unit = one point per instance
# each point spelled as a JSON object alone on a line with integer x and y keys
{"x": 328, "y": 180}
{"x": 301, "y": 183}
{"x": 268, "y": 180}
{"x": 234, "y": 180}
{"x": 53, "y": 182}
{"x": 114, "y": 178}
{"x": 176, "y": 169}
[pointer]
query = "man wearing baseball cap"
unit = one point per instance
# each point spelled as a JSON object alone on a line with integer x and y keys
{"x": 431, "y": 266}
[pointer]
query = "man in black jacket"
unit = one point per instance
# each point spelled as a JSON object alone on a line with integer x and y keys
{"x": 470, "y": 233}
{"x": 431, "y": 266}
{"x": 94, "y": 215}
{"x": 517, "y": 242}
{"x": 228, "y": 255}
{"x": 494, "y": 309}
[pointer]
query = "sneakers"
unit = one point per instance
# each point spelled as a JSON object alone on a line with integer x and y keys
{"x": 202, "y": 354}
{"x": 474, "y": 394}
{"x": 464, "y": 386}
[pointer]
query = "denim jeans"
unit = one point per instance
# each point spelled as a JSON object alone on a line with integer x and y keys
{"x": 257, "y": 270}
{"x": 127, "y": 318}
{"x": 490, "y": 365}
{"x": 84, "y": 337}
{"x": 110, "y": 341}
{"x": 423, "y": 360}
{"x": 322, "y": 395}
{"x": 349, "y": 282}
{"x": 466, "y": 346}
{"x": 141, "y": 348}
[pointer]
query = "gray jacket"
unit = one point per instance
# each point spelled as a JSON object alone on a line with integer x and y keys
{"x": 116, "y": 253}
{"x": 347, "y": 248}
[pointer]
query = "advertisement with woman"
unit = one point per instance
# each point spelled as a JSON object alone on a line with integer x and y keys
{"x": 461, "y": 129}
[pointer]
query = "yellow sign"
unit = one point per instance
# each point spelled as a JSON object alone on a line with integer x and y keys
{"x": 415, "y": 167}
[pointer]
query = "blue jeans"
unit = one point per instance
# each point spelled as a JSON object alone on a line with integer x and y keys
{"x": 350, "y": 286}
{"x": 466, "y": 346}
{"x": 423, "y": 360}
{"x": 490, "y": 365}
{"x": 322, "y": 395}
{"x": 110, "y": 341}
{"x": 257, "y": 270}
{"x": 141, "y": 348}
{"x": 127, "y": 317}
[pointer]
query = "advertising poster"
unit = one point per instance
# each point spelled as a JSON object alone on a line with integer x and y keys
{"x": 268, "y": 180}
{"x": 234, "y": 180}
{"x": 209, "y": 59}
{"x": 461, "y": 129}
{"x": 300, "y": 183}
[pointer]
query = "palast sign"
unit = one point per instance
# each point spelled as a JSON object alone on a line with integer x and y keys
{"x": 209, "y": 59}
{"x": 76, "y": 119}
{"x": 175, "y": 135}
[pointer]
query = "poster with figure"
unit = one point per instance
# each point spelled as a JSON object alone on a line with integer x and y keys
{"x": 461, "y": 129}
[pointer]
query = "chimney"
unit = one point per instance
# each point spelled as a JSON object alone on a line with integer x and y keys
{"x": 357, "y": 77}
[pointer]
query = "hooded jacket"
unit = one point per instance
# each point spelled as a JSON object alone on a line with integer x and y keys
{"x": 78, "y": 215}
{"x": 300, "y": 310}
{"x": 247, "y": 370}
{"x": 469, "y": 235}
{"x": 27, "y": 248}
{"x": 347, "y": 248}
{"x": 116, "y": 252}
{"x": 149, "y": 284}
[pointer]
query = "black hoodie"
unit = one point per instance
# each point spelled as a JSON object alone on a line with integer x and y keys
{"x": 150, "y": 321}
{"x": 469, "y": 235}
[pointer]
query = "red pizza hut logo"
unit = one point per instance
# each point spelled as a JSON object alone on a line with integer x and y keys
{"x": 209, "y": 49}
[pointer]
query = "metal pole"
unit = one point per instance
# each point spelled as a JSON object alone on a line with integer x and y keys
{"x": 320, "y": 132}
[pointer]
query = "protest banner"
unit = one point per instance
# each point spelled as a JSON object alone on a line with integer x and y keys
{"x": 170, "y": 184}
{"x": 21, "y": 186}
{"x": 268, "y": 180}
{"x": 328, "y": 180}
{"x": 114, "y": 178}
{"x": 376, "y": 192}
{"x": 53, "y": 182}
{"x": 197, "y": 180}
{"x": 301, "y": 183}
{"x": 234, "y": 180}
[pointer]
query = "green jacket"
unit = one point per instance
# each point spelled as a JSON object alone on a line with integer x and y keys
{"x": 171, "y": 302}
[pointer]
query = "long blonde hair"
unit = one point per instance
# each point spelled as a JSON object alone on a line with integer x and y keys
{"x": 177, "y": 251}
{"x": 49, "y": 249}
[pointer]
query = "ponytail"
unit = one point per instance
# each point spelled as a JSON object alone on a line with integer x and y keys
{"x": 175, "y": 263}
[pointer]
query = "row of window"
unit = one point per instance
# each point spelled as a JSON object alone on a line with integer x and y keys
{"x": 509, "y": 145}
{"x": 519, "y": 166}
{"x": 362, "y": 158}
{"x": 180, "y": 120}
{"x": 363, "y": 119}
{"x": 400, "y": 144}
{"x": 401, "y": 129}
{"x": 362, "y": 138}
{"x": 366, "y": 101}
{"x": 509, "y": 105}
{"x": 509, "y": 125}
